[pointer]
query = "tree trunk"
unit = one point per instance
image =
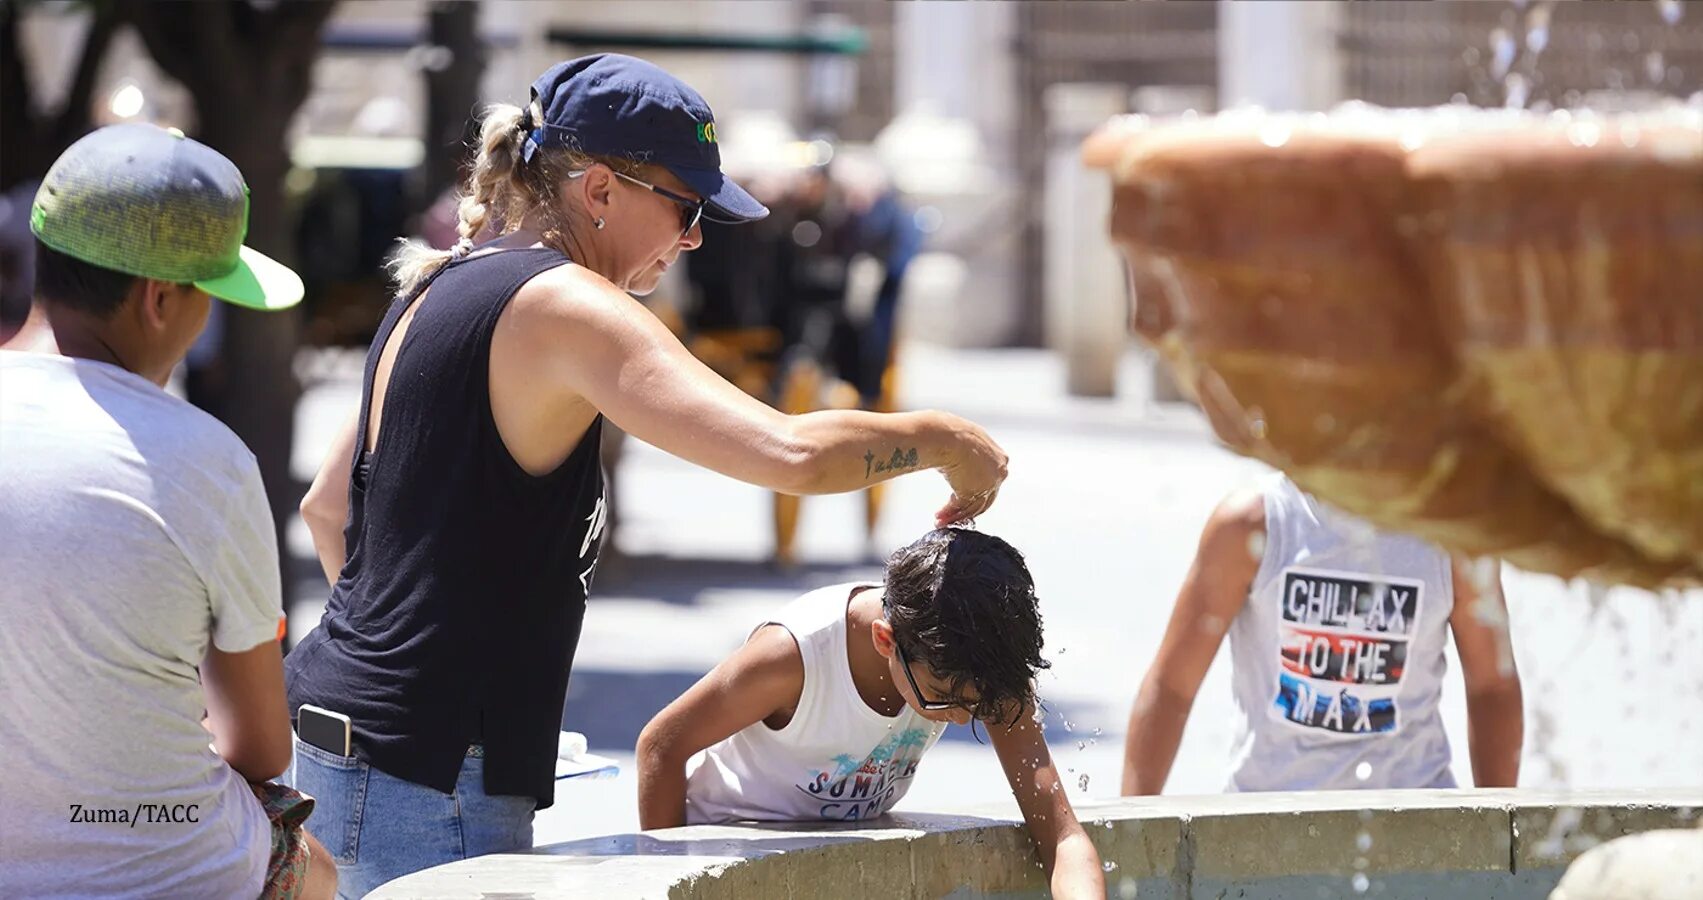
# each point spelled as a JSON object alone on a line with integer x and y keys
{"x": 34, "y": 138}
{"x": 452, "y": 92}
{"x": 258, "y": 350}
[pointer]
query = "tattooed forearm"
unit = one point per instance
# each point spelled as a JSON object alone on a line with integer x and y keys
{"x": 898, "y": 462}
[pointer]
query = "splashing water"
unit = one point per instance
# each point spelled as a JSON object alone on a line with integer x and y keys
{"x": 1360, "y": 882}
{"x": 1518, "y": 91}
{"x": 1537, "y": 29}
{"x": 1502, "y": 52}
{"x": 1655, "y": 66}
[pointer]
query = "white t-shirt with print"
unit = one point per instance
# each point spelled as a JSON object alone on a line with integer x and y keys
{"x": 134, "y": 530}
{"x": 836, "y": 759}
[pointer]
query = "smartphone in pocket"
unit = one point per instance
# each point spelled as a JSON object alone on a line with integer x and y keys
{"x": 327, "y": 730}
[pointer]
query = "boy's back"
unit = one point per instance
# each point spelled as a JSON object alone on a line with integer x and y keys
{"x": 835, "y": 759}
{"x": 1339, "y": 654}
{"x": 136, "y": 530}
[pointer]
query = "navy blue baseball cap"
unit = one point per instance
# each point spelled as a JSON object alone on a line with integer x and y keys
{"x": 614, "y": 105}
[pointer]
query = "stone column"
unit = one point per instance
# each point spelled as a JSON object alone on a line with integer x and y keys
{"x": 1279, "y": 54}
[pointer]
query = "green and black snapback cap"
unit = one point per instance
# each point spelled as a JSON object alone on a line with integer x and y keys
{"x": 149, "y": 202}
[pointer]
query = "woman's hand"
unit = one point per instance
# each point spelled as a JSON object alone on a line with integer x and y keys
{"x": 977, "y": 469}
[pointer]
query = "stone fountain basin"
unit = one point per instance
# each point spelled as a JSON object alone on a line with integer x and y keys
{"x": 1495, "y": 844}
{"x": 1483, "y": 327}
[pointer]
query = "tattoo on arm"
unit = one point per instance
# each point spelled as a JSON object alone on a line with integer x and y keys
{"x": 899, "y": 461}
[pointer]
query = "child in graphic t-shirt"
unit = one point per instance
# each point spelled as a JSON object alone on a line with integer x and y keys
{"x": 827, "y": 709}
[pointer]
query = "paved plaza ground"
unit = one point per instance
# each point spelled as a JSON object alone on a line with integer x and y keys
{"x": 1106, "y": 498}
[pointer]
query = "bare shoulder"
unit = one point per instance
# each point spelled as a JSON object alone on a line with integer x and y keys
{"x": 1242, "y": 512}
{"x": 772, "y": 652}
{"x": 574, "y": 304}
{"x": 561, "y": 290}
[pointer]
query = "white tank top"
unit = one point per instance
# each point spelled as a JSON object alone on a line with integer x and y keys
{"x": 1338, "y": 655}
{"x": 837, "y": 759}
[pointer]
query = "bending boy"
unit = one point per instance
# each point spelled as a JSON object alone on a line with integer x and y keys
{"x": 829, "y": 706}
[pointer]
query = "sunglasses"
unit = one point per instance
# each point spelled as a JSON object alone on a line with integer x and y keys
{"x": 925, "y": 703}
{"x": 691, "y": 211}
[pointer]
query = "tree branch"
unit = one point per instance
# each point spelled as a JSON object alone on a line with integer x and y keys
{"x": 73, "y": 118}
{"x": 17, "y": 104}
{"x": 294, "y": 23}
{"x": 198, "y": 48}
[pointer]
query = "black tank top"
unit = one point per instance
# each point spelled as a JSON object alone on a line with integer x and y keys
{"x": 456, "y": 615}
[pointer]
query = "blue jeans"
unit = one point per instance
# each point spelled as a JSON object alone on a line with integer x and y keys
{"x": 379, "y": 827}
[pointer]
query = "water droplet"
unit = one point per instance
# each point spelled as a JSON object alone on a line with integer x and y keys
{"x": 1275, "y": 133}
{"x": 1518, "y": 90}
{"x": 1502, "y": 50}
{"x": 1537, "y": 36}
{"x": 1083, "y": 781}
{"x": 1366, "y": 815}
{"x": 1061, "y": 651}
{"x": 1256, "y": 544}
{"x": 1108, "y": 824}
{"x": 1670, "y": 10}
{"x": 1363, "y": 841}
{"x": 1127, "y": 889}
{"x": 1361, "y": 882}
{"x": 1098, "y": 732}
{"x": 1655, "y": 66}
{"x": 1312, "y": 831}
{"x": 1081, "y": 745}
{"x": 1109, "y": 866}
{"x": 1039, "y": 716}
{"x": 1360, "y": 863}
{"x": 1363, "y": 771}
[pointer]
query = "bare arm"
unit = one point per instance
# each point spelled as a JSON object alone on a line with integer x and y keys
{"x": 1494, "y": 705}
{"x": 1213, "y": 593}
{"x": 764, "y": 676}
{"x": 602, "y": 345}
{"x": 325, "y": 508}
{"x": 1073, "y": 865}
{"x": 246, "y": 709}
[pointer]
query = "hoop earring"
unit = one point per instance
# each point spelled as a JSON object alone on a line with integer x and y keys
{"x": 599, "y": 223}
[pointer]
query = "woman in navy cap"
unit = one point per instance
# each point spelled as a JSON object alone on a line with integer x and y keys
{"x": 459, "y": 515}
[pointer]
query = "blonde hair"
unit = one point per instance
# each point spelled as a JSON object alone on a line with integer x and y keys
{"x": 502, "y": 190}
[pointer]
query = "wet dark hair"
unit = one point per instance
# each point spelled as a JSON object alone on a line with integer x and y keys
{"x": 963, "y": 604}
{"x": 69, "y": 282}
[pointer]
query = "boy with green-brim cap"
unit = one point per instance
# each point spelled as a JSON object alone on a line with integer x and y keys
{"x": 141, "y": 585}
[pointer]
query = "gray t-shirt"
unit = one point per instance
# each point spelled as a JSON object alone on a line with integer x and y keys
{"x": 133, "y": 530}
